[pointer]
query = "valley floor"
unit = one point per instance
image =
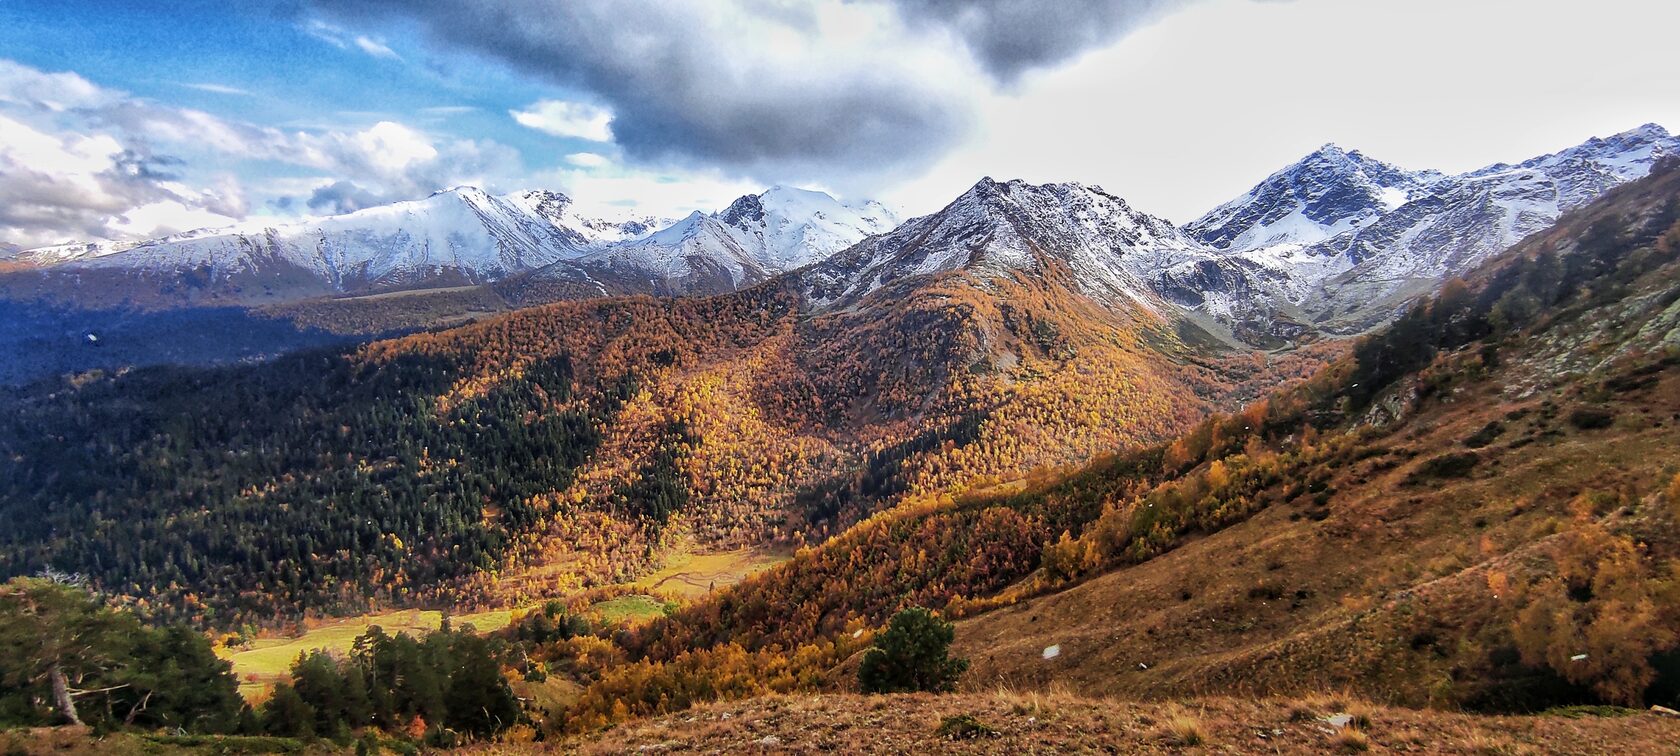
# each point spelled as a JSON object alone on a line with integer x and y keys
{"x": 1014, "y": 723}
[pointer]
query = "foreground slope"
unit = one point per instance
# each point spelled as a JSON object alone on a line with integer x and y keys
{"x": 1477, "y": 511}
{"x": 1006, "y": 722}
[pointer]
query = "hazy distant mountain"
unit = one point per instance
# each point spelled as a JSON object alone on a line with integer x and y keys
{"x": 462, "y": 234}
{"x": 756, "y": 237}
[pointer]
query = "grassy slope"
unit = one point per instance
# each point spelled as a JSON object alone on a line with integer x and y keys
{"x": 691, "y": 575}
{"x": 1066, "y": 724}
{"x": 265, "y": 661}
{"x": 1283, "y": 601}
{"x": 1388, "y": 581}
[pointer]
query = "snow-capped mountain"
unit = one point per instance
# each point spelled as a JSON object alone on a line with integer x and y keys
{"x": 557, "y": 208}
{"x": 1392, "y": 235}
{"x": 1465, "y": 219}
{"x": 1324, "y": 194}
{"x": 756, "y": 237}
{"x": 1337, "y": 242}
{"x": 462, "y": 232}
{"x": 1109, "y": 250}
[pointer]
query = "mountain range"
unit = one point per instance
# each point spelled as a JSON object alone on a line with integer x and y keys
{"x": 467, "y": 236}
{"x": 1338, "y": 242}
{"x": 1333, "y": 243}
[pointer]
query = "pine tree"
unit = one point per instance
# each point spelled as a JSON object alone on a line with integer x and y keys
{"x": 912, "y": 655}
{"x": 478, "y": 700}
{"x": 285, "y": 714}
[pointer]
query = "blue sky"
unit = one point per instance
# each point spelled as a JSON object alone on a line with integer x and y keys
{"x": 284, "y": 66}
{"x": 293, "y": 68}
{"x": 130, "y": 119}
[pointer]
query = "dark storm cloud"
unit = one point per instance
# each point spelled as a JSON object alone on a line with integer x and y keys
{"x": 141, "y": 167}
{"x": 343, "y": 197}
{"x": 1009, "y": 37}
{"x": 687, "y": 83}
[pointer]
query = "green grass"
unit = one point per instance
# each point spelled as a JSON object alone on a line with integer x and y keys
{"x": 630, "y": 609}
{"x": 267, "y": 660}
{"x": 693, "y": 575}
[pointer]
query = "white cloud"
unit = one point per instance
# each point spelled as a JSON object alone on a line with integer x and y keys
{"x": 1192, "y": 111}
{"x": 56, "y": 188}
{"x": 342, "y": 39}
{"x": 81, "y": 162}
{"x": 614, "y": 191}
{"x": 567, "y": 119}
{"x": 587, "y": 160}
{"x": 392, "y": 143}
{"x": 376, "y": 48}
{"x": 29, "y": 87}
{"x": 163, "y": 218}
{"x": 217, "y": 88}
{"x": 327, "y": 33}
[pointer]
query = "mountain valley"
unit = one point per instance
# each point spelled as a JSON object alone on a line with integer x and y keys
{"x": 1399, "y": 434}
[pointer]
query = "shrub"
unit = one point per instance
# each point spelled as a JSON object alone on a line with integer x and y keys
{"x": 1602, "y": 618}
{"x": 1352, "y": 741}
{"x": 1591, "y": 418}
{"x": 964, "y": 727}
{"x": 1485, "y": 436}
{"x": 1185, "y": 730}
{"x": 913, "y": 654}
{"x": 1450, "y": 465}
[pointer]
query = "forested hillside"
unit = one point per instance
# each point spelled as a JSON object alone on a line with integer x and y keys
{"x": 1475, "y": 507}
{"x": 574, "y": 444}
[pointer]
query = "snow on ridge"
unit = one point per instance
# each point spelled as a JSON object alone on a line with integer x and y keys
{"x": 461, "y": 228}
{"x": 757, "y": 236}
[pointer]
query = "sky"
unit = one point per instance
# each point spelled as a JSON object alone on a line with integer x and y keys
{"x": 124, "y": 120}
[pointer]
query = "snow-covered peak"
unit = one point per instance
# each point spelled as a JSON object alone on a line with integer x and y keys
{"x": 1329, "y": 191}
{"x": 542, "y": 203}
{"x": 461, "y": 231}
{"x": 787, "y": 227}
{"x": 998, "y": 228}
{"x": 755, "y": 237}
{"x": 1583, "y": 172}
{"x": 1379, "y": 255}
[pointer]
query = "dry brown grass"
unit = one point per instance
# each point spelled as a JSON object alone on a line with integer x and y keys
{"x": 1352, "y": 740}
{"x": 1184, "y": 730}
{"x": 1389, "y": 563}
{"x": 911, "y": 724}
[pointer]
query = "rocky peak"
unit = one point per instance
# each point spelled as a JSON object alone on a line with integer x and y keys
{"x": 747, "y": 208}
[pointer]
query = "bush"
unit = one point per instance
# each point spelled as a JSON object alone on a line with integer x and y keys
{"x": 1451, "y": 465}
{"x": 1591, "y": 418}
{"x": 913, "y": 654}
{"x": 1352, "y": 741}
{"x": 1486, "y": 435}
{"x": 1185, "y": 730}
{"x": 964, "y": 727}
